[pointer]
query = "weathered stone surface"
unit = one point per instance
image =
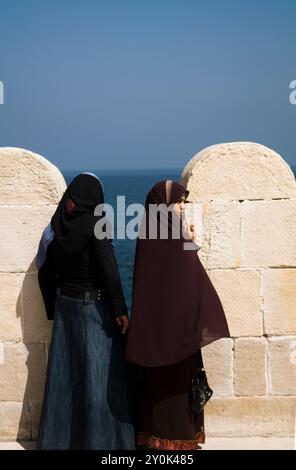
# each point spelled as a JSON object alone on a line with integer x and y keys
{"x": 218, "y": 362}
{"x": 193, "y": 214}
{"x": 221, "y": 235}
{"x": 238, "y": 170}
{"x": 47, "y": 348}
{"x": 20, "y": 233}
{"x": 35, "y": 413}
{"x": 239, "y": 291}
{"x": 282, "y": 365}
{"x": 250, "y": 366}
{"x": 22, "y": 372}
{"x": 268, "y": 233}
{"x": 14, "y": 421}
{"x": 36, "y": 326}
{"x": 28, "y": 178}
{"x": 30, "y": 188}
{"x": 10, "y": 307}
{"x": 250, "y": 416}
{"x": 279, "y": 301}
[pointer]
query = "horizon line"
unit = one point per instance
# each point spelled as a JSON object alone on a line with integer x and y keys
{"x": 123, "y": 169}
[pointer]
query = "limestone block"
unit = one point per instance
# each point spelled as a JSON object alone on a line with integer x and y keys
{"x": 28, "y": 178}
{"x": 279, "y": 301}
{"x": 47, "y": 348}
{"x": 239, "y": 291}
{"x": 282, "y": 365}
{"x": 35, "y": 413}
{"x": 221, "y": 235}
{"x": 250, "y": 366}
{"x": 14, "y": 421}
{"x": 22, "y": 372}
{"x": 238, "y": 170}
{"x": 193, "y": 214}
{"x": 20, "y": 235}
{"x": 36, "y": 326}
{"x": 218, "y": 362}
{"x": 268, "y": 233}
{"x": 250, "y": 416}
{"x": 10, "y": 307}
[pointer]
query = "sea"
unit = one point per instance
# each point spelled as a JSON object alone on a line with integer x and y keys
{"x": 134, "y": 185}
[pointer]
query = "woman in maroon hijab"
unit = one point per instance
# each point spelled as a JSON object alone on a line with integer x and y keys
{"x": 175, "y": 312}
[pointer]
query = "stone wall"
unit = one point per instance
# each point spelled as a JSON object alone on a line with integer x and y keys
{"x": 248, "y": 197}
{"x": 30, "y": 187}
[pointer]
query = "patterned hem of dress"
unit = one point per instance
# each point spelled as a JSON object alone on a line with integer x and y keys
{"x": 153, "y": 442}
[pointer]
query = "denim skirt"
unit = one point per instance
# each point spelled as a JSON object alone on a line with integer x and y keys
{"x": 88, "y": 397}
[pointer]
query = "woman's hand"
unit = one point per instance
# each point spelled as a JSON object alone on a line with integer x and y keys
{"x": 191, "y": 231}
{"x": 123, "y": 323}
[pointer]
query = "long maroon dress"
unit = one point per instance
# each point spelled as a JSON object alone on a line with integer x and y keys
{"x": 175, "y": 312}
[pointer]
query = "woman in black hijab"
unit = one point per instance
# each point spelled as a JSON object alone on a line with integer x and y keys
{"x": 87, "y": 402}
{"x": 175, "y": 312}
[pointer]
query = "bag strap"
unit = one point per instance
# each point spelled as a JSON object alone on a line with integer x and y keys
{"x": 198, "y": 360}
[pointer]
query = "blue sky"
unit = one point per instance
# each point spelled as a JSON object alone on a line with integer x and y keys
{"x": 147, "y": 83}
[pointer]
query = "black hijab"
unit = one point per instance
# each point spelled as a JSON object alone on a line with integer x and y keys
{"x": 175, "y": 307}
{"x": 74, "y": 220}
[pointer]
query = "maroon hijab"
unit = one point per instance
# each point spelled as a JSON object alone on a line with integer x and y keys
{"x": 175, "y": 307}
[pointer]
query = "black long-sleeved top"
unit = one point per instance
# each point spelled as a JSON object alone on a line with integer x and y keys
{"x": 94, "y": 268}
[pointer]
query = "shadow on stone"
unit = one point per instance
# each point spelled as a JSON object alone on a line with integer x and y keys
{"x": 36, "y": 331}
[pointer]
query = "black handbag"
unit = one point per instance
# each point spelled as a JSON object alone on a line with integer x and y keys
{"x": 200, "y": 391}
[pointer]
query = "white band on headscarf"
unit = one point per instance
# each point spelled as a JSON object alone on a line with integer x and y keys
{"x": 95, "y": 176}
{"x": 168, "y": 190}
